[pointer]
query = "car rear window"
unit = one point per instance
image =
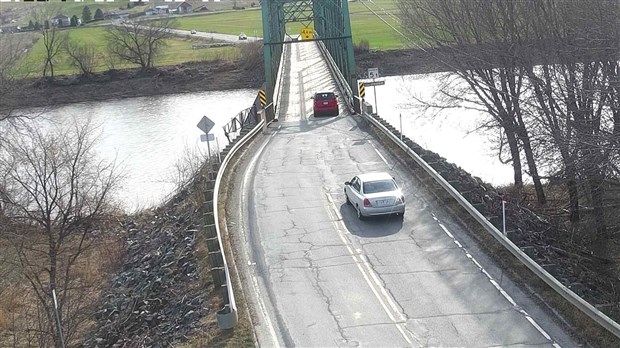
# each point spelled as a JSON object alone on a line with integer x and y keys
{"x": 379, "y": 186}
{"x": 322, "y": 96}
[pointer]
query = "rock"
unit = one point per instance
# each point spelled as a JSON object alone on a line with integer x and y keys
{"x": 152, "y": 299}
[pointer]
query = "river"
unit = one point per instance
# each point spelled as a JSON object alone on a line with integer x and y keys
{"x": 450, "y": 132}
{"x": 146, "y": 136}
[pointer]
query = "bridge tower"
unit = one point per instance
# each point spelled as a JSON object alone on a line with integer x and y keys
{"x": 331, "y": 26}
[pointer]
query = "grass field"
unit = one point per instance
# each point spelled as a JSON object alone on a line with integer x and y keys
{"x": 368, "y": 22}
{"x": 178, "y": 50}
{"x": 365, "y": 24}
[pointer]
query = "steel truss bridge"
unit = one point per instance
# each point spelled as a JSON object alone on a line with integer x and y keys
{"x": 328, "y": 21}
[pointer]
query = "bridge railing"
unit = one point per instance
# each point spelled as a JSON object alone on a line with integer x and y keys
{"x": 245, "y": 118}
{"x": 538, "y": 270}
{"x": 341, "y": 81}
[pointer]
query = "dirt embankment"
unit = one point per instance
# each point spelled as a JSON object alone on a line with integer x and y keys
{"x": 183, "y": 78}
{"x": 114, "y": 84}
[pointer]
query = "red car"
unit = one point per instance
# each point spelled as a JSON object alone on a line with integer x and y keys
{"x": 325, "y": 103}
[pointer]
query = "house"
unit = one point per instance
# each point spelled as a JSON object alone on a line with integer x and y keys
{"x": 184, "y": 7}
{"x": 60, "y": 21}
{"x": 162, "y": 9}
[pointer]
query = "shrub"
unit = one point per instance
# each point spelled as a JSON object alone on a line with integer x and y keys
{"x": 361, "y": 46}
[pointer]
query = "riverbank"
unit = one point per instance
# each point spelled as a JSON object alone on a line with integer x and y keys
{"x": 184, "y": 78}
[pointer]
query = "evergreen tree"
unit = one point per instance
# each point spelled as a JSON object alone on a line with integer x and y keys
{"x": 86, "y": 15}
{"x": 30, "y": 25}
{"x": 98, "y": 14}
{"x": 37, "y": 25}
{"x": 46, "y": 24}
{"x": 74, "y": 21}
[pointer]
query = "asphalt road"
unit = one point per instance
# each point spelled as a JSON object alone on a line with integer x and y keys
{"x": 316, "y": 276}
{"x": 216, "y": 36}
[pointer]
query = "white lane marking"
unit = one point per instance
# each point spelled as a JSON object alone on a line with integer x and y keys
{"x": 497, "y": 286}
{"x": 369, "y": 274}
{"x": 255, "y": 284}
{"x": 379, "y": 153}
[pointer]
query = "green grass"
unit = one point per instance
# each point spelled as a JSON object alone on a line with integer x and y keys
{"x": 178, "y": 50}
{"x": 23, "y": 12}
{"x": 235, "y": 22}
{"x": 365, "y": 25}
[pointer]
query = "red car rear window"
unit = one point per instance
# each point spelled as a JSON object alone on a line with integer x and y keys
{"x": 323, "y": 96}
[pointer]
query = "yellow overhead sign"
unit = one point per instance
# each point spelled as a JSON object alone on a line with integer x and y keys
{"x": 307, "y": 33}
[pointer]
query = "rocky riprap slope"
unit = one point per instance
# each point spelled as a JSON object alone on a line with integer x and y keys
{"x": 156, "y": 299}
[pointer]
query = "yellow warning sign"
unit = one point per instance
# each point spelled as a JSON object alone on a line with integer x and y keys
{"x": 262, "y": 97}
{"x": 307, "y": 33}
{"x": 362, "y": 90}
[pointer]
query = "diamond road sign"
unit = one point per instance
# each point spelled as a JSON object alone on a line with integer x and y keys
{"x": 205, "y": 124}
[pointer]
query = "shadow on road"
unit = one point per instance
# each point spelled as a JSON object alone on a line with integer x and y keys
{"x": 370, "y": 227}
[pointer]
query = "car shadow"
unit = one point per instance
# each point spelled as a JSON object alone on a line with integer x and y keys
{"x": 372, "y": 226}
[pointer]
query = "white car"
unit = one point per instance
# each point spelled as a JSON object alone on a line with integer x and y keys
{"x": 242, "y": 36}
{"x": 193, "y": 31}
{"x": 374, "y": 194}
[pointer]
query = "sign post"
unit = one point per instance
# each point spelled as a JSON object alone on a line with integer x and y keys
{"x": 373, "y": 73}
{"x": 206, "y": 125}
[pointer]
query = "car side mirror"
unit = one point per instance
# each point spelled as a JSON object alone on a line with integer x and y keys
{"x": 346, "y": 183}
{"x": 312, "y": 97}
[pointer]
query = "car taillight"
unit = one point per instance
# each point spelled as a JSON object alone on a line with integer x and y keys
{"x": 367, "y": 203}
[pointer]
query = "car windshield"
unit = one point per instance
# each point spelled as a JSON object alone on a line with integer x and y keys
{"x": 321, "y": 96}
{"x": 379, "y": 186}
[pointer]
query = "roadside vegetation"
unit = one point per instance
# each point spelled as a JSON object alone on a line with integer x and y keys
{"x": 175, "y": 51}
{"x": 545, "y": 72}
{"x": 547, "y": 75}
{"x": 373, "y": 24}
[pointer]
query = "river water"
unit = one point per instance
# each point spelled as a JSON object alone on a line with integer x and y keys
{"x": 146, "y": 136}
{"x": 450, "y": 132}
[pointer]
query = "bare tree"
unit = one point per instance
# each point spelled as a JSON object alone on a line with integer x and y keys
{"x": 53, "y": 38}
{"x": 53, "y": 42}
{"x": 12, "y": 69}
{"x": 139, "y": 43}
{"x": 547, "y": 72}
{"x": 575, "y": 94}
{"x": 55, "y": 196}
{"x": 83, "y": 57}
{"x": 479, "y": 40}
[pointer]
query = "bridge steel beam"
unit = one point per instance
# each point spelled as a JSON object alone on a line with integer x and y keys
{"x": 331, "y": 25}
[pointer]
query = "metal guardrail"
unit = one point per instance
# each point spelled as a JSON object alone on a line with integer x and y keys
{"x": 565, "y": 292}
{"x": 342, "y": 83}
{"x": 227, "y": 318}
{"x": 244, "y": 118}
{"x": 278, "y": 85}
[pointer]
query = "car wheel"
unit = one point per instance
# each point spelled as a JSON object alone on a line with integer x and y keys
{"x": 347, "y": 197}
{"x": 359, "y": 213}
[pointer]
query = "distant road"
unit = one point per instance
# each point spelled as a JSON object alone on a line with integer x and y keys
{"x": 216, "y": 36}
